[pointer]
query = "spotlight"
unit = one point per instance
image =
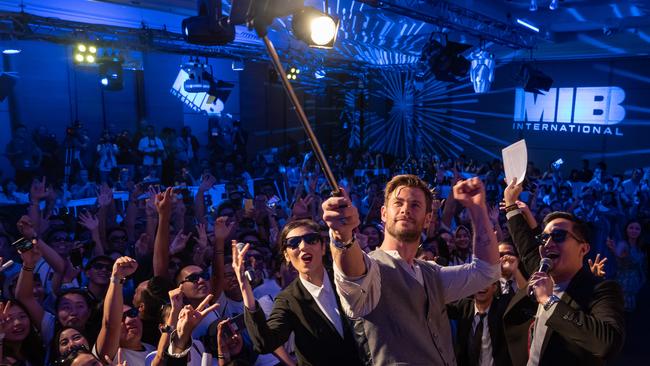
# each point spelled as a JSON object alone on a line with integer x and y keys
{"x": 293, "y": 72}
{"x": 11, "y": 51}
{"x": 533, "y": 5}
{"x": 110, "y": 72}
{"x": 85, "y": 54}
{"x": 315, "y": 28}
{"x": 482, "y": 71}
{"x": 199, "y": 78}
{"x": 319, "y": 74}
{"x": 554, "y": 4}
{"x": 535, "y": 81}
{"x": 209, "y": 27}
{"x": 445, "y": 62}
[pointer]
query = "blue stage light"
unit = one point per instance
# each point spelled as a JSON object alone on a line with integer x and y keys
{"x": 528, "y": 25}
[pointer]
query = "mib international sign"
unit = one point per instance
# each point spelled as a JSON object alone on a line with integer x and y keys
{"x": 589, "y": 110}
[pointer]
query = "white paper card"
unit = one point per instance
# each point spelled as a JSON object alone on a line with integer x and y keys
{"x": 515, "y": 161}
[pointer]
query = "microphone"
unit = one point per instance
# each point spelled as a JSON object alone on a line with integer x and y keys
{"x": 248, "y": 273}
{"x": 545, "y": 265}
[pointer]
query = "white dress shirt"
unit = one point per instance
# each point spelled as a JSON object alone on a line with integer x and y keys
{"x": 485, "y": 359}
{"x": 539, "y": 331}
{"x": 326, "y": 300}
{"x": 360, "y": 295}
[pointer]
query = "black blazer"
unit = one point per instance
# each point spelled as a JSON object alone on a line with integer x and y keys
{"x": 587, "y": 325}
{"x": 317, "y": 341}
{"x": 463, "y": 312}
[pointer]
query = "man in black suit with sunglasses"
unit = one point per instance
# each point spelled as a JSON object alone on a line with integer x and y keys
{"x": 566, "y": 316}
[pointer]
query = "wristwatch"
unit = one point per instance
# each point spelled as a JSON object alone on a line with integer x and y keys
{"x": 551, "y": 300}
{"x": 167, "y": 329}
{"x": 342, "y": 245}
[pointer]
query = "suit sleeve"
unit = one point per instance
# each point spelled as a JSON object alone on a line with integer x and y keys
{"x": 268, "y": 335}
{"x": 524, "y": 239}
{"x": 456, "y": 309}
{"x": 600, "y": 331}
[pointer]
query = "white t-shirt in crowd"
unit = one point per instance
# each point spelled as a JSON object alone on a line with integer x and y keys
{"x": 132, "y": 357}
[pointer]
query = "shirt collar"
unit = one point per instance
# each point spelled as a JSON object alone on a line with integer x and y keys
{"x": 476, "y": 312}
{"x": 314, "y": 290}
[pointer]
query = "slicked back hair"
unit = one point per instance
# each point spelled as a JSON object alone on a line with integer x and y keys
{"x": 411, "y": 181}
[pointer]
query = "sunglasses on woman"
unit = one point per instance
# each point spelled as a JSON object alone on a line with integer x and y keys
{"x": 294, "y": 241}
{"x": 558, "y": 236}
{"x": 195, "y": 277}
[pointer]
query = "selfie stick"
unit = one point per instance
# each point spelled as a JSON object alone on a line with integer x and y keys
{"x": 302, "y": 117}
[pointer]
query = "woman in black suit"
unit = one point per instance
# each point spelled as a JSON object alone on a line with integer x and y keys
{"x": 308, "y": 307}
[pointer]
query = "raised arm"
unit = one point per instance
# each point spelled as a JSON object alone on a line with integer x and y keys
{"x": 28, "y": 231}
{"x": 90, "y": 222}
{"x": 342, "y": 218}
{"x": 207, "y": 181}
{"x": 25, "y": 286}
{"x": 471, "y": 194}
{"x": 176, "y": 302}
{"x": 163, "y": 203}
{"x": 108, "y": 340}
{"x": 520, "y": 231}
{"x": 222, "y": 231}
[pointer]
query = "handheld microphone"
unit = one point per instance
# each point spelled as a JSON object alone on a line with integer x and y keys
{"x": 545, "y": 265}
{"x": 249, "y": 273}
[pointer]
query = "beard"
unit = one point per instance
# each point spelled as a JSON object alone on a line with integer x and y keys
{"x": 405, "y": 234}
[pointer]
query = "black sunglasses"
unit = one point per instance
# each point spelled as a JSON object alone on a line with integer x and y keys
{"x": 100, "y": 266}
{"x": 294, "y": 241}
{"x": 558, "y": 236}
{"x": 131, "y": 313}
{"x": 195, "y": 277}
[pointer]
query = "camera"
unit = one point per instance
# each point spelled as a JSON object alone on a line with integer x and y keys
{"x": 23, "y": 245}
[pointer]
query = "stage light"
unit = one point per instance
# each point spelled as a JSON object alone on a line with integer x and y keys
{"x": 527, "y": 25}
{"x": 445, "y": 62}
{"x": 110, "y": 72}
{"x": 533, "y": 5}
{"x": 554, "y": 4}
{"x": 81, "y": 48}
{"x": 79, "y": 57}
{"x": 11, "y": 51}
{"x": 90, "y": 59}
{"x": 209, "y": 27}
{"x": 85, "y": 53}
{"x": 534, "y": 80}
{"x": 199, "y": 79}
{"x": 315, "y": 28}
{"x": 482, "y": 71}
{"x": 92, "y": 49}
{"x": 319, "y": 74}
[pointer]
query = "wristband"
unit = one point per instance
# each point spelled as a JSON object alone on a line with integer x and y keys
{"x": 117, "y": 281}
{"x": 28, "y": 269}
{"x": 342, "y": 245}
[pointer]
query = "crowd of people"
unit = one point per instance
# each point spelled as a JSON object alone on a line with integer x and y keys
{"x": 420, "y": 261}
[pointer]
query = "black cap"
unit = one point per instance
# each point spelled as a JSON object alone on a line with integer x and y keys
{"x": 98, "y": 258}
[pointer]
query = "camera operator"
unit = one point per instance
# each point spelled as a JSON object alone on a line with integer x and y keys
{"x": 152, "y": 150}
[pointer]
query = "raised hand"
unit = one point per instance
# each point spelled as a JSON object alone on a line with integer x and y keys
{"x": 38, "y": 190}
{"x": 512, "y": 192}
{"x": 222, "y": 229}
{"x": 104, "y": 195}
{"x": 207, "y": 181}
{"x": 301, "y": 207}
{"x": 238, "y": 265}
{"x": 142, "y": 245}
{"x": 228, "y": 345}
{"x": 190, "y": 317}
{"x": 124, "y": 267}
{"x": 179, "y": 243}
{"x": 597, "y": 266}
{"x": 341, "y": 216}
{"x": 164, "y": 201}
{"x": 470, "y": 193}
{"x": 89, "y": 221}
{"x": 202, "y": 240}
{"x": 32, "y": 256}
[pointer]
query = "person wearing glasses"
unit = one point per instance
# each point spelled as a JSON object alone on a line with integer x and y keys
{"x": 98, "y": 272}
{"x": 567, "y": 316}
{"x": 121, "y": 325}
{"x": 309, "y": 307}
